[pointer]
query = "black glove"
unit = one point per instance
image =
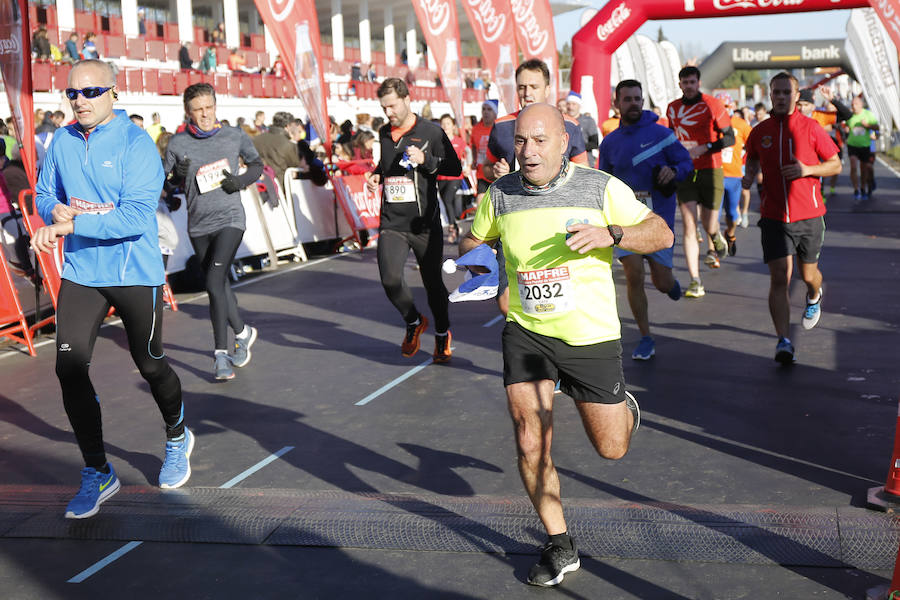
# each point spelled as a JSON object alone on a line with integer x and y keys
{"x": 230, "y": 184}
{"x": 182, "y": 167}
{"x": 172, "y": 201}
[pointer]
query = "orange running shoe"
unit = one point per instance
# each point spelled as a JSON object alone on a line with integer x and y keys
{"x": 442, "y": 351}
{"x": 410, "y": 343}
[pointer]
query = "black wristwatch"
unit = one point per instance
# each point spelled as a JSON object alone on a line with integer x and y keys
{"x": 616, "y": 232}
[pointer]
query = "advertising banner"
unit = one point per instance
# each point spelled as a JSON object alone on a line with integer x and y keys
{"x": 361, "y": 207}
{"x": 294, "y": 25}
{"x": 494, "y": 30}
{"x": 594, "y": 44}
{"x": 15, "y": 44}
{"x": 441, "y": 28}
{"x": 537, "y": 38}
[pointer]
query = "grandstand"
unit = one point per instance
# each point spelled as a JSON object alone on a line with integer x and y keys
{"x": 150, "y": 79}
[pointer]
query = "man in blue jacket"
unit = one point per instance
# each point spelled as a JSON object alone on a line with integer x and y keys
{"x": 649, "y": 158}
{"x": 99, "y": 189}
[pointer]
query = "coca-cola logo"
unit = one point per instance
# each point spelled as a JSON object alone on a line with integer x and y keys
{"x": 437, "y": 15}
{"x": 536, "y": 36}
{"x": 491, "y": 23}
{"x": 728, "y": 4}
{"x": 280, "y": 9}
{"x": 9, "y": 45}
{"x": 618, "y": 16}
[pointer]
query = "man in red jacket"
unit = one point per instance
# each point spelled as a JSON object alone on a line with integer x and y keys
{"x": 793, "y": 152}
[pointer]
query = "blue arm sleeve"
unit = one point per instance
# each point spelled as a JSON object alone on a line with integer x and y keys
{"x": 141, "y": 186}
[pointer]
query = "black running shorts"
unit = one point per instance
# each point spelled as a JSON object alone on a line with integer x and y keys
{"x": 590, "y": 373}
{"x": 703, "y": 186}
{"x": 803, "y": 238}
{"x": 483, "y": 185}
{"x": 863, "y": 153}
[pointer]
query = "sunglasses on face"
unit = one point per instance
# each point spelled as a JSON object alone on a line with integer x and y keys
{"x": 88, "y": 92}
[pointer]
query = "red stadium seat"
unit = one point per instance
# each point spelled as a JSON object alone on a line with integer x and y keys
{"x": 135, "y": 81}
{"x": 222, "y": 55}
{"x": 221, "y": 84}
{"x": 234, "y": 85}
{"x": 156, "y": 49}
{"x": 201, "y": 36}
{"x": 115, "y": 46}
{"x": 264, "y": 61}
{"x": 195, "y": 77}
{"x": 196, "y": 52}
{"x": 61, "y": 76}
{"x": 115, "y": 26}
{"x": 172, "y": 49}
{"x": 42, "y": 76}
{"x": 84, "y": 22}
{"x": 246, "y": 85}
{"x": 137, "y": 48}
{"x": 181, "y": 82}
{"x": 256, "y": 86}
{"x": 151, "y": 80}
{"x": 268, "y": 86}
{"x": 170, "y": 33}
{"x": 122, "y": 81}
{"x": 166, "y": 83}
{"x": 252, "y": 59}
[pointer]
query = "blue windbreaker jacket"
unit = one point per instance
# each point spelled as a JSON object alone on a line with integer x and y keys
{"x": 115, "y": 174}
{"x": 631, "y": 152}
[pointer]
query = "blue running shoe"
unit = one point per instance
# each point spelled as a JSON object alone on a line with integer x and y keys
{"x": 96, "y": 488}
{"x": 675, "y": 292}
{"x": 812, "y": 313}
{"x": 176, "y": 468}
{"x": 784, "y": 351}
{"x": 645, "y": 349}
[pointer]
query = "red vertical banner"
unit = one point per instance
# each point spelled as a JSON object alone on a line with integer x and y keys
{"x": 537, "y": 39}
{"x": 889, "y": 13}
{"x": 493, "y": 26}
{"x": 441, "y": 28}
{"x": 15, "y": 67}
{"x": 294, "y": 25}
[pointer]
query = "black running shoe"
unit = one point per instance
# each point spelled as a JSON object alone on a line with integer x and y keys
{"x": 555, "y": 562}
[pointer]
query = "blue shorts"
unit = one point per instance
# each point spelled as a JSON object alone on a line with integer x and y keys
{"x": 663, "y": 257}
{"x": 731, "y": 201}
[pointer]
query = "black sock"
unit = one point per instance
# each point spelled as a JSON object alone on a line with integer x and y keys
{"x": 176, "y": 431}
{"x": 104, "y": 468}
{"x": 562, "y": 539}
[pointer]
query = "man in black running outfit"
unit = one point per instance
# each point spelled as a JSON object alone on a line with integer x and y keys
{"x": 413, "y": 153}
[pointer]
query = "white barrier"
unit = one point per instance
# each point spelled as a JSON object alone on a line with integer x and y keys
{"x": 316, "y": 214}
{"x": 306, "y": 213}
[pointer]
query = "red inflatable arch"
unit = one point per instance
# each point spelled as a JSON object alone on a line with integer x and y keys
{"x": 595, "y": 43}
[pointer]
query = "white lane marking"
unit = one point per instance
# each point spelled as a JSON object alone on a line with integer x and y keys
{"x": 888, "y": 165}
{"x": 272, "y": 457}
{"x": 493, "y": 321}
{"x": 134, "y": 544}
{"x": 202, "y": 295}
{"x": 393, "y": 383}
{"x": 103, "y": 562}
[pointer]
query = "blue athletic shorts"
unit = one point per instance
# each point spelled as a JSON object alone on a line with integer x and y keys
{"x": 663, "y": 257}
{"x": 731, "y": 201}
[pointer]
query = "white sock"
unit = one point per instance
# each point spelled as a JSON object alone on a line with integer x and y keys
{"x": 436, "y": 334}
{"x": 217, "y": 352}
{"x": 245, "y": 332}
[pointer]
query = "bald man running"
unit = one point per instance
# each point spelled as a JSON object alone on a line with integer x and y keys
{"x": 559, "y": 222}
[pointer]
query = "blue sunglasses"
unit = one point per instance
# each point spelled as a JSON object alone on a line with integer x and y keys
{"x": 88, "y": 92}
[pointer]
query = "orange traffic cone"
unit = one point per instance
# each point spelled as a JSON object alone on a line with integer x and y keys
{"x": 887, "y": 497}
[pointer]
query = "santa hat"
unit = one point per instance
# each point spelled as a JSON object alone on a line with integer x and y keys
{"x": 574, "y": 97}
{"x": 475, "y": 287}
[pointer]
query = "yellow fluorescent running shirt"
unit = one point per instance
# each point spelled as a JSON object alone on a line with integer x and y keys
{"x": 555, "y": 291}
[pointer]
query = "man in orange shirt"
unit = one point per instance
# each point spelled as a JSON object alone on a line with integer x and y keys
{"x": 733, "y": 171}
{"x": 481, "y": 132}
{"x": 611, "y": 124}
{"x": 703, "y": 126}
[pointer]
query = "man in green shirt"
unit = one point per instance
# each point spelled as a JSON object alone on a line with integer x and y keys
{"x": 859, "y": 140}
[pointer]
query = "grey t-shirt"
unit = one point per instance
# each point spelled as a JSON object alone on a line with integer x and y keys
{"x": 213, "y": 210}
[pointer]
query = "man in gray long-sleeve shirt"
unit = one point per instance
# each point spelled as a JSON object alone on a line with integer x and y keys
{"x": 205, "y": 157}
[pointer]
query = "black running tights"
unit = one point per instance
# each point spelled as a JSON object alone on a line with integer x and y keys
{"x": 428, "y": 247}
{"x": 80, "y": 312}
{"x": 216, "y": 253}
{"x": 452, "y": 201}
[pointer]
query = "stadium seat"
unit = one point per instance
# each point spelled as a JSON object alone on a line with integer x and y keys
{"x": 135, "y": 80}
{"x": 221, "y": 84}
{"x": 181, "y": 82}
{"x": 156, "y": 50}
{"x": 137, "y": 48}
{"x": 115, "y": 46}
{"x": 172, "y": 50}
{"x": 166, "y": 83}
{"x": 42, "y": 76}
{"x": 151, "y": 80}
{"x": 61, "y": 76}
